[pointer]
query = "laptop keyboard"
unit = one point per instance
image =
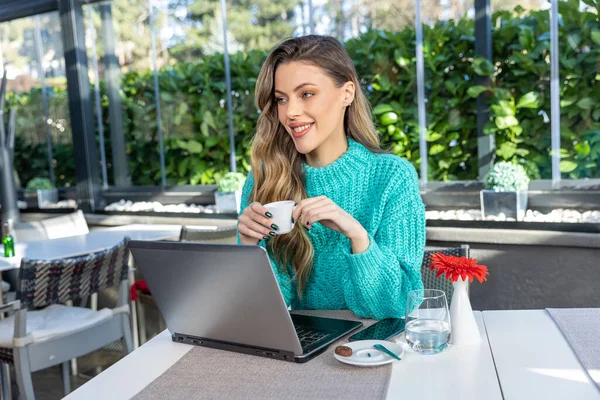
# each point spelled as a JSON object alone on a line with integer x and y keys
{"x": 309, "y": 336}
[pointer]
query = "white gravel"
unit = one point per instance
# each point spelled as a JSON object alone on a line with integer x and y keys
{"x": 60, "y": 204}
{"x": 130, "y": 206}
{"x": 558, "y": 215}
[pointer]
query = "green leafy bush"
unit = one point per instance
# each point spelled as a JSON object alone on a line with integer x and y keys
{"x": 519, "y": 96}
{"x": 31, "y": 156}
{"x": 520, "y": 93}
{"x": 387, "y": 64}
{"x": 506, "y": 177}
{"x": 231, "y": 182}
{"x": 194, "y": 122}
{"x": 195, "y": 125}
{"x": 39, "y": 184}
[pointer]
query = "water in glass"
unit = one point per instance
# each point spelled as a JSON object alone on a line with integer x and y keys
{"x": 428, "y": 336}
{"x": 427, "y": 321}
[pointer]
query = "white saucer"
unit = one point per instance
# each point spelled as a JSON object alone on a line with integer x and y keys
{"x": 361, "y": 350}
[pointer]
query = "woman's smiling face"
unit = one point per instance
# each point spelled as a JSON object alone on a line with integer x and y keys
{"x": 309, "y": 105}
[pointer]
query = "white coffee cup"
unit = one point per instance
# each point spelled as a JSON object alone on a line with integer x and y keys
{"x": 282, "y": 215}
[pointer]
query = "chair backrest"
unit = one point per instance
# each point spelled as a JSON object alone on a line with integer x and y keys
{"x": 45, "y": 282}
{"x": 441, "y": 283}
{"x": 29, "y": 231}
{"x": 225, "y": 234}
{"x": 52, "y": 228}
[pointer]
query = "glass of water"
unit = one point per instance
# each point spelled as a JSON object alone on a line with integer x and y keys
{"x": 427, "y": 321}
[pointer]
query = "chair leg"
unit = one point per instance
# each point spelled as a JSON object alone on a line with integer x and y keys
{"x": 23, "y": 372}
{"x": 4, "y": 368}
{"x": 74, "y": 367}
{"x": 66, "y": 375}
{"x": 141, "y": 316}
{"x": 132, "y": 307}
{"x": 127, "y": 334}
{"x": 94, "y": 301}
{"x": 6, "y": 384}
{"x": 133, "y": 319}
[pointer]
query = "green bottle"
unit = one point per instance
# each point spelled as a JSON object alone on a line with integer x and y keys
{"x": 8, "y": 241}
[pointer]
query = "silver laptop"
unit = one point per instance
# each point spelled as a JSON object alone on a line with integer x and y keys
{"x": 227, "y": 297}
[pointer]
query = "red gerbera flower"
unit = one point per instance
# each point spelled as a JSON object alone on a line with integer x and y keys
{"x": 455, "y": 267}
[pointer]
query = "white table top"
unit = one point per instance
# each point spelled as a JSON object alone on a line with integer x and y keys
{"x": 461, "y": 372}
{"x": 86, "y": 244}
{"x": 533, "y": 359}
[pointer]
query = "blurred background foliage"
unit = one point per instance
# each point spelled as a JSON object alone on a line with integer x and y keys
{"x": 192, "y": 91}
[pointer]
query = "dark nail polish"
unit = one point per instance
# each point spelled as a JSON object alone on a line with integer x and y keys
{"x": 266, "y": 237}
{"x": 269, "y": 215}
{"x": 292, "y": 220}
{"x": 275, "y": 227}
{"x": 272, "y": 233}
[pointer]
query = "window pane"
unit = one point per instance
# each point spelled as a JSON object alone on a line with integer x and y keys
{"x": 380, "y": 38}
{"x": 520, "y": 111}
{"x": 193, "y": 84}
{"x": 450, "y": 75}
{"x": 579, "y": 47}
{"x": 132, "y": 43}
{"x": 193, "y": 92}
{"x": 19, "y": 46}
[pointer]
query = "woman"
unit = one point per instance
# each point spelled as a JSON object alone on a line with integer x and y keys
{"x": 359, "y": 231}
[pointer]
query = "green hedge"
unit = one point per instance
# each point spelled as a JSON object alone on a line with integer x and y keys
{"x": 195, "y": 126}
{"x": 31, "y": 156}
{"x": 520, "y": 99}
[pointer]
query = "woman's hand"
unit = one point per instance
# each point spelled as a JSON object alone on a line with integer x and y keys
{"x": 322, "y": 209}
{"x": 255, "y": 224}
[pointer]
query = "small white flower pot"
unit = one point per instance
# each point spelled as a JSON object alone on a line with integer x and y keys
{"x": 511, "y": 204}
{"x": 41, "y": 198}
{"x": 228, "y": 202}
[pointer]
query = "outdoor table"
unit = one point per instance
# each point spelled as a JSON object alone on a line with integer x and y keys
{"x": 89, "y": 243}
{"x": 533, "y": 359}
{"x": 460, "y": 372}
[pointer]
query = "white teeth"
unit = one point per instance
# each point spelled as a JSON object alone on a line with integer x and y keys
{"x": 301, "y": 128}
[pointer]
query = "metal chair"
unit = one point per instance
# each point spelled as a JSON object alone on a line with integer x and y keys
{"x": 441, "y": 283}
{"x": 225, "y": 234}
{"x": 44, "y": 287}
{"x": 52, "y": 228}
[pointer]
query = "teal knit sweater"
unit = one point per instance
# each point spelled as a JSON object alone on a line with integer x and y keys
{"x": 380, "y": 191}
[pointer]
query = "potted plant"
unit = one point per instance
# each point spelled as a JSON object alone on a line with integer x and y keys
{"x": 505, "y": 191}
{"x": 40, "y": 192}
{"x": 229, "y": 194}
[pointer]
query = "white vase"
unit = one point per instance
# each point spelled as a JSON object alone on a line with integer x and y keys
{"x": 464, "y": 327}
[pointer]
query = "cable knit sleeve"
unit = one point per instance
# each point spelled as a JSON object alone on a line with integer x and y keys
{"x": 286, "y": 286}
{"x": 378, "y": 280}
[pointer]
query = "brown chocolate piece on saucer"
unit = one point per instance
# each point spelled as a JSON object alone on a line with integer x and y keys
{"x": 343, "y": 351}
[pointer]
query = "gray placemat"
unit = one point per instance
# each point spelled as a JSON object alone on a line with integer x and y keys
{"x": 581, "y": 327}
{"x": 217, "y": 374}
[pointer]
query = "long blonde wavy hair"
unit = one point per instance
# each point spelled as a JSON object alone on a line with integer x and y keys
{"x": 276, "y": 164}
